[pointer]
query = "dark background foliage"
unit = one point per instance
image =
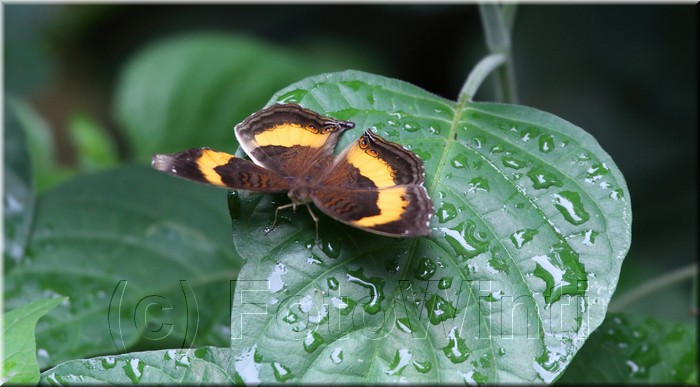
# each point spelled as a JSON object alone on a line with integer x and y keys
{"x": 626, "y": 74}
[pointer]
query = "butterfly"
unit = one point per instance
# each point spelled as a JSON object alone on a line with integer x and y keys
{"x": 374, "y": 185}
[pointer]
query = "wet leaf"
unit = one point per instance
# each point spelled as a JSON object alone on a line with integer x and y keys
{"x": 525, "y": 252}
{"x": 532, "y": 224}
{"x": 122, "y": 244}
{"x": 19, "y": 363}
{"x": 206, "y": 365}
{"x": 634, "y": 349}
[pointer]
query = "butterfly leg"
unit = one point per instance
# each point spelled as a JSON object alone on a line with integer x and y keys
{"x": 315, "y": 219}
{"x": 274, "y": 221}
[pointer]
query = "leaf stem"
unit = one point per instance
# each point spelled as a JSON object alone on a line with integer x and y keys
{"x": 652, "y": 286}
{"x": 478, "y": 75}
{"x": 498, "y": 22}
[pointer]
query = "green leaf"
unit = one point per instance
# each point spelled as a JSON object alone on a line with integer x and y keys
{"x": 206, "y": 365}
{"x": 634, "y": 349}
{"x": 18, "y": 195}
{"x": 41, "y": 144}
{"x": 19, "y": 364}
{"x": 532, "y": 225}
{"x": 145, "y": 258}
{"x": 190, "y": 91}
{"x": 94, "y": 149}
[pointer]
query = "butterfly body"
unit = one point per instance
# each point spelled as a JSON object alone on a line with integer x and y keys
{"x": 373, "y": 184}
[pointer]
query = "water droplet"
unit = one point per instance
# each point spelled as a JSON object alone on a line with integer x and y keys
{"x": 292, "y": 96}
{"x": 426, "y": 268}
{"x": 521, "y": 237}
{"x": 404, "y": 324}
{"x": 542, "y": 179}
{"x": 312, "y": 341}
{"x": 589, "y": 237}
{"x": 596, "y": 172}
{"x": 546, "y": 143}
{"x": 109, "y": 362}
{"x": 314, "y": 260}
{"x": 247, "y": 366}
{"x": 581, "y": 158}
{"x": 332, "y": 248}
{"x": 445, "y": 283}
{"x": 332, "y": 283}
{"x": 201, "y": 353}
{"x": 617, "y": 194}
{"x": 529, "y": 133}
{"x": 446, "y": 213}
{"x": 570, "y": 205}
{"x": 439, "y": 309}
{"x": 478, "y": 184}
{"x": 456, "y": 349}
{"x": 478, "y": 142}
{"x": 497, "y": 149}
{"x": 511, "y": 162}
{"x": 562, "y": 272}
{"x": 402, "y": 357}
{"x": 337, "y": 356}
{"x": 344, "y": 304}
{"x": 465, "y": 240}
{"x": 275, "y": 278}
{"x": 134, "y": 370}
{"x": 422, "y": 367}
{"x": 375, "y": 286}
{"x": 410, "y": 126}
{"x": 290, "y": 318}
{"x": 459, "y": 161}
{"x": 282, "y": 372}
{"x": 182, "y": 361}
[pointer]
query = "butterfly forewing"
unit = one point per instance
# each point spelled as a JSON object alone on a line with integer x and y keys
{"x": 287, "y": 138}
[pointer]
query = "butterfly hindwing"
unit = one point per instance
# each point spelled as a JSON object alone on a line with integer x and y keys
{"x": 286, "y": 137}
{"x": 220, "y": 169}
{"x": 376, "y": 185}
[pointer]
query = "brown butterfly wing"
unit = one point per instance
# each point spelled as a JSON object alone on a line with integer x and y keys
{"x": 377, "y": 186}
{"x": 287, "y": 138}
{"x": 221, "y": 169}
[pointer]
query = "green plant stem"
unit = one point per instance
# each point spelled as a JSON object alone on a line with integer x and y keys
{"x": 497, "y": 22}
{"x": 482, "y": 70}
{"x": 652, "y": 286}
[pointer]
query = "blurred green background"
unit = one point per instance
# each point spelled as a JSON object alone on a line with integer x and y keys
{"x": 625, "y": 74}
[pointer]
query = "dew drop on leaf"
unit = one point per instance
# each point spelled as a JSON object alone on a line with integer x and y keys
{"x": 439, "y": 309}
{"x": 570, "y": 205}
{"x": 404, "y": 324}
{"x": 459, "y": 161}
{"x": 109, "y": 362}
{"x": 375, "y": 286}
{"x": 546, "y": 143}
{"x": 332, "y": 283}
{"x": 456, "y": 349}
{"x": 134, "y": 370}
{"x": 445, "y": 283}
{"x": 422, "y": 366}
{"x": 542, "y": 178}
{"x": 337, "y": 356}
{"x": 402, "y": 357}
{"x": 521, "y": 237}
{"x": 282, "y": 372}
{"x": 312, "y": 341}
{"x": 446, "y": 213}
{"x": 426, "y": 269}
